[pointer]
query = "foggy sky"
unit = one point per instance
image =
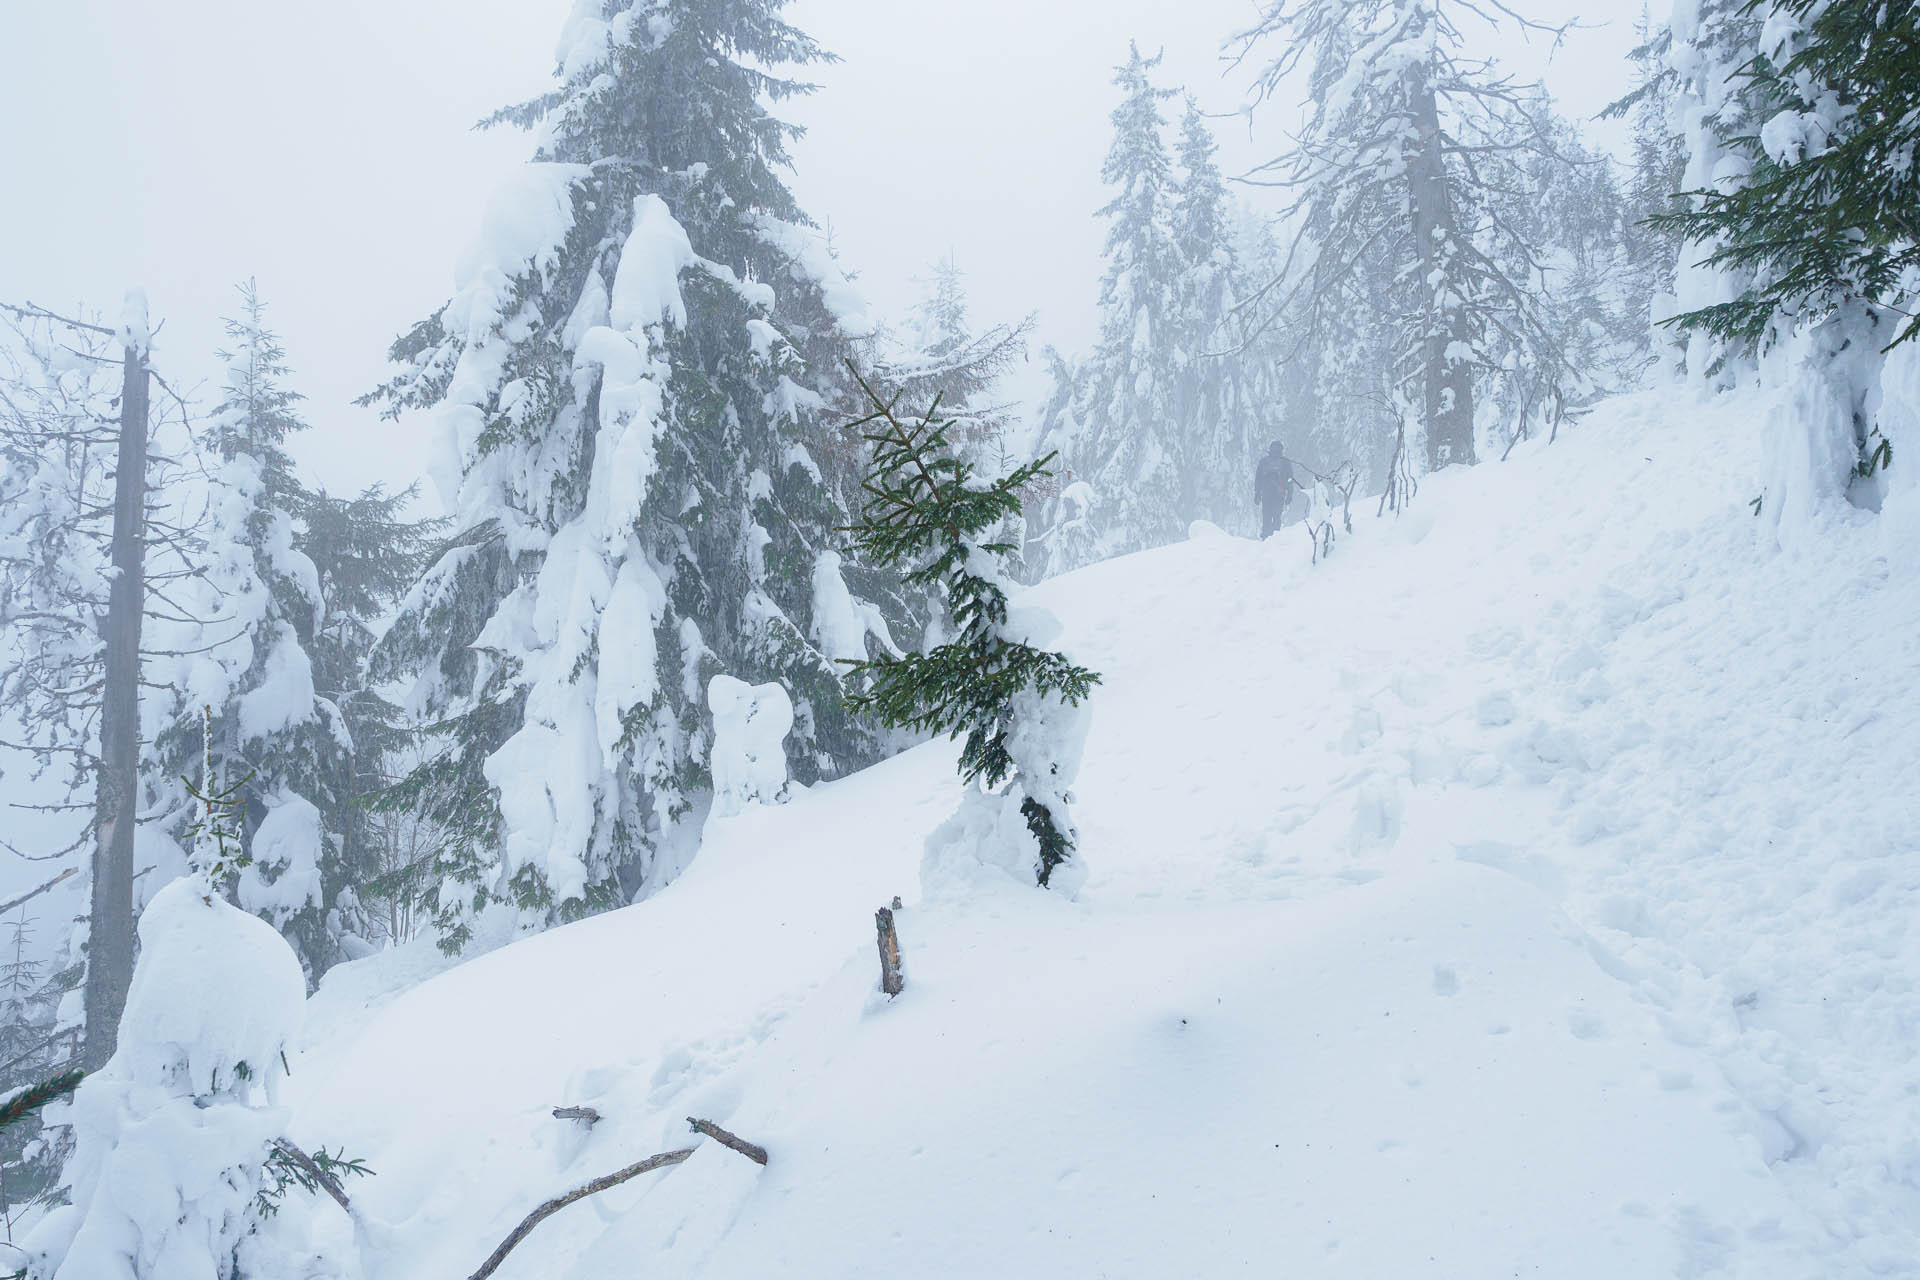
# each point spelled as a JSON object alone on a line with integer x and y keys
{"x": 327, "y": 150}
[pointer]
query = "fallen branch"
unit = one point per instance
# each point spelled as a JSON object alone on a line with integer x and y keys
{"x": 664, "y": 1160}
{"x": 324, "y": 1180}
{"x": 586, "y": 1115}
{"x": 555, "y": 1205}
{"x": 757, "y": 1154}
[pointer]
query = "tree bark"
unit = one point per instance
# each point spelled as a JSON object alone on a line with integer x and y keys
{"x": 110, "y": 932}
{"x": 1447, "y": 383}
{"x": 893, "y": 978}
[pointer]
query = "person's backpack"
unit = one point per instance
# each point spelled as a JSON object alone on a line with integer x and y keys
{"x": 1274, "y": 480}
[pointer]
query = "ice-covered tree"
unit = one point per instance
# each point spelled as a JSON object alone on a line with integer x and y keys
{"x": 1402, "y": 211}
{"x": 1018, "y": 706}
{"x": 632, "y": 389}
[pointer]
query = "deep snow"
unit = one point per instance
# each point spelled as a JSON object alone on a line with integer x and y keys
{"x": 1527, "y": 889}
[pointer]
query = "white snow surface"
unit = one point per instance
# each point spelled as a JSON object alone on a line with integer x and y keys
{"x": 1526, "y": 889}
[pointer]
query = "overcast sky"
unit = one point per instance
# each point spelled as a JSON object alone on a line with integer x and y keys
{"x": 326, "y": 149}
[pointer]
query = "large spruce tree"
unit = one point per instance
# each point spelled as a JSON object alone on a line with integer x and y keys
{"x": 1128, "y": 449}
{"x": 633, "y": 390}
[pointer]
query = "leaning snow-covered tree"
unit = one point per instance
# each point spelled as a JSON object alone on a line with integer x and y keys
{"x": 1405, "y": 183}
{"x": 632, "y": 388}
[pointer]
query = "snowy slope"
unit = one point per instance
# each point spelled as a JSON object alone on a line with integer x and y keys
{"x": 1526, "y": 890}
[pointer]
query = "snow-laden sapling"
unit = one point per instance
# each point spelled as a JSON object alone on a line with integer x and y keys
{"x": 931, "y": 516}
{"x": 170, "y": 1142}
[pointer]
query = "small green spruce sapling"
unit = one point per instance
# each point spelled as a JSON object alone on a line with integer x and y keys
{"x": 930, "y": 515}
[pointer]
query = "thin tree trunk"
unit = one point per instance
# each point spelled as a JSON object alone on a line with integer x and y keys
{"x": 110, "y": 934}
{"x": 1448, "y": 383}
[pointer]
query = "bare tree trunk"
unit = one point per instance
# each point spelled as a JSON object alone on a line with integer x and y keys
{"x": 1448, "y": 383}
{"x": 110, "y": 934}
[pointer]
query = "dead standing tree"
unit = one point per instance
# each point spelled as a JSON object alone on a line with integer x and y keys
{"x": 75, "y": 591}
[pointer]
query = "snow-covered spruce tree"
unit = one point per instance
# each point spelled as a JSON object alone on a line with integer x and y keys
{"x": 632, "y": 387}
{"x": 1059, "y": 506}
{"x": 1020, "y": 706}
{"x": 1128, "y": 449}
{"x": 1389, "y": 185}
{"x": 1567, "y": 235}
{"x": 32, "y": 1049}
{"x": 1657, "y": 175}
{"x": 1213, "y": 400}
{"x": 271, "y": 726}
{"x": 1807, "y": 217}
{"x": 939, "y": 353}
{"x": 367, "y": 554}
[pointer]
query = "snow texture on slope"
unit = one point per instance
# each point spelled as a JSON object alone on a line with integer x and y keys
{"x": 1527, "y": 888}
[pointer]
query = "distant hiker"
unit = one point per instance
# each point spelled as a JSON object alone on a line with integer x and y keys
{"x": 1273, "y": 484}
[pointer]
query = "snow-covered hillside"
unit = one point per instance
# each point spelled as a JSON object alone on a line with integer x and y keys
{"x": 1527, "y": 890}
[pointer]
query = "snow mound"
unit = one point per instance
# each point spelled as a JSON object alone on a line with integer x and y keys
{"x": 168, "y": 1143}
{"x": 749, "y": 756}
{"x": 216, "y": 991}
{"x": 1526, "y": 888}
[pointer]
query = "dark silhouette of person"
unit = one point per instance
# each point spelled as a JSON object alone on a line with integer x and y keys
{"x": 1273, "y": 484}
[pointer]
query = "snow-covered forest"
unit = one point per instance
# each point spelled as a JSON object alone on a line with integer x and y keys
{"x": 872, "y": 640}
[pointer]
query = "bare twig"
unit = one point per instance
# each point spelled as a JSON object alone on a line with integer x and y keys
{"x": 752, "y": 1151}
{"x": 34, "y": 893}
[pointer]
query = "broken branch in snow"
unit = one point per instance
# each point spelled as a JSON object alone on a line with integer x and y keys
{"x": 892, "y": 980}
{"x": 555, "y": 1205}
{"x": 751, "y": 1151}
{"x": 585, "y": 1115}
{"x": 664, "y": 1160}
{"x": 326, "y": 1181}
